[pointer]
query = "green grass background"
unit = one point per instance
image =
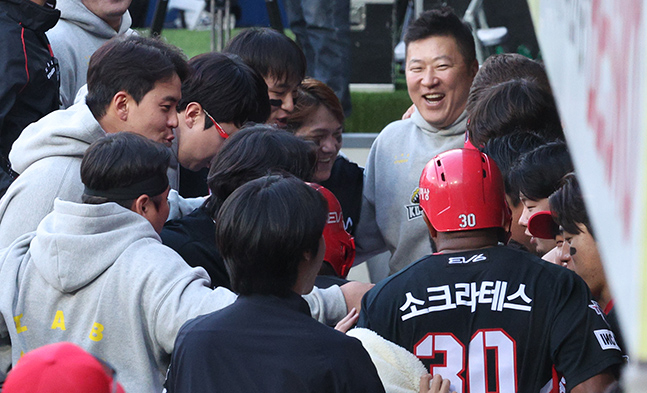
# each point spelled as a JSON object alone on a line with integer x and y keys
{"x": 371, "y": 111}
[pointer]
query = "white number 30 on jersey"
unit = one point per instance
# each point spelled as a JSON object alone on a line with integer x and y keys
{"x": 482, "y": 341}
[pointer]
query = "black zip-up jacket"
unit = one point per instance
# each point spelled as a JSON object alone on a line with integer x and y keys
{"x": 29, "y": 80}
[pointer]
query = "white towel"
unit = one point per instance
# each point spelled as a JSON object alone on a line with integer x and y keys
{"x": 399, "y": 369}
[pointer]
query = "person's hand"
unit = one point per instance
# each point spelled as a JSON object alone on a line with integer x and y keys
{"x": 438, "y": 384}
{"x": 349, "y": 320}
{"x": 353, "y": 292}
{"x": 409, "y": 112}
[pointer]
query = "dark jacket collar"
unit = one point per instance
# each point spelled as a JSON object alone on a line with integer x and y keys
{"x": 292, "y": 301}
{"x": 31, "y": 15}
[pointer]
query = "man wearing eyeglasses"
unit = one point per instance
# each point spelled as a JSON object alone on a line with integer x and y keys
{"x": 220, "y": 96}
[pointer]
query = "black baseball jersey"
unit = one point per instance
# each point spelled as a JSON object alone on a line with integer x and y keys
{"x": 494, "y": 320}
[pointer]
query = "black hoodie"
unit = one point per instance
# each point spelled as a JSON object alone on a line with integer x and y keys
{"x": 30, "y": 81}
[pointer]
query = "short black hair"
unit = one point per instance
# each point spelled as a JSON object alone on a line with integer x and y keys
{"x": 443, "y": 22}
{"x": 538, "y": 173}
{"x": 506, "y": 150}
{"x": 270, "y": 53}
{"x": 514, "y": 104}
{"x": 120, "y": 160}
{"x": 567, "y": 206}
{"x": 133, "y": 64}
{"x": 227, "y": 88}
{"x": 264, "y": 229}
{"x": 251, "y": 153}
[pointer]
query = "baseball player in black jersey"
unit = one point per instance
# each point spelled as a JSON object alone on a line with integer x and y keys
{"x": 485, "y": 316}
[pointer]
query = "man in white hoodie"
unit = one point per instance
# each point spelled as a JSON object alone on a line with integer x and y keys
{"x": 84, "y": 26}
{"x": 134, "y": 84}
{"x": 96, "y": 273}
{"x": 440, "y": 66}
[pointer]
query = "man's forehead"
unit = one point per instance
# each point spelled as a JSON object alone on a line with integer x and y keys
{"x": 432, "y": 38}
{"x": 167, "y": 89}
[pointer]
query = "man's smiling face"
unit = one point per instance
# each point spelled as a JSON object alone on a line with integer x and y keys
{"x": 438, "y": 79}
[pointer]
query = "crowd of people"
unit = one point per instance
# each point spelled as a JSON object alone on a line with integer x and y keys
{"x": 114, "y": 279}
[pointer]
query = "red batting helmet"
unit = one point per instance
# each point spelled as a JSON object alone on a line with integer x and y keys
{"x": 462, "y": 189}
{"x": 340, "y": 245}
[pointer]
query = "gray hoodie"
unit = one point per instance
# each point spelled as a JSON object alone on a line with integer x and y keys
{"x": 74, "y": 39}
{"x": 47, "y": 155}
{"x": 99, "y": 276}
{"x": 391, "y": 218}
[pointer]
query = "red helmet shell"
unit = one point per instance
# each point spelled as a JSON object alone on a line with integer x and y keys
{"x": 340, "y": 245}
{"x": 462, "y": 189}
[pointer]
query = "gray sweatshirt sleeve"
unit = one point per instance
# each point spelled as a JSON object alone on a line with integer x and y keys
{"x": 368, "y": 238}
{"x": 187, "y": 295}
{"x": 328, "y": 305}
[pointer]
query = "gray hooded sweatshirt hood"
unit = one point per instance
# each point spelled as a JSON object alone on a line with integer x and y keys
{"x": 47, "y": 155}
{"x": 99, "y": 276}
{"x": 74, "y": 39}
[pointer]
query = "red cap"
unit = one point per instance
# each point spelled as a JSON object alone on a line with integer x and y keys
{"x": 340, "y": 245}
{"x": 542, "y": 225}
{"x": 462, "y": 189}
{"x": 60, "y": 367}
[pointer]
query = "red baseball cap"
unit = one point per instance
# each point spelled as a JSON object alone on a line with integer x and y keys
{"x": 542, "y": 225}
{"x": 61, "y": 367}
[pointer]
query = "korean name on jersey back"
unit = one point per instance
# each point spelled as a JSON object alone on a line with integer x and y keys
{"x": 467, "y": 294}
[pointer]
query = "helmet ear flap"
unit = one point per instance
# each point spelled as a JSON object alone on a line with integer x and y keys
{"x": 432, "y": 230}
{"x": 340, "y": 245}
{"x": 348, "y": 256}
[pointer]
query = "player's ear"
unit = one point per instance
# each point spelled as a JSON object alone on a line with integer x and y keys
{"x": 120, "y": 104}
{"x": 141, "y": 205}
{"x": 193, "y": 114}
{"x": 474, "y": 68}
{"x": 432, "y": 231}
